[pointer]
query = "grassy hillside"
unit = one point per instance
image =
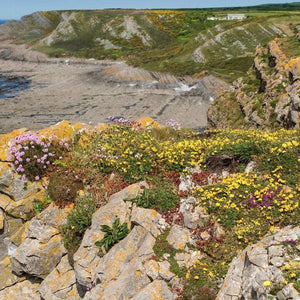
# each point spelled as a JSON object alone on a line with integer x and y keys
{"x": 177, "y": 41}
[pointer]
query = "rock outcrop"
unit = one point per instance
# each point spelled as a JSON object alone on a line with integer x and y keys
{"x": 269, "y": 94}
{"x": 43, "y": 247}
{"x": 258, "y": 269}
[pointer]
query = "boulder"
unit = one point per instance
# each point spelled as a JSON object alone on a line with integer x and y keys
{"x": 158, "y": 270}
{"x": 119, "y": 273}
{"x": 158, "y": 289}
{"x": 25, "y": 290}
{"x": 255, "y": 266}
{"x": 60, "y": 283}
{"x": 178, "y": 237}
{"x": 188, "y": 259}
{"x": 86, "y": 259}
{"x": 7, "y": 278}
{"x": 193, "y": 216}
{"x": 43, "y": 247}
{"x": 147, "y": 218}
{"x": 288, "y": 292}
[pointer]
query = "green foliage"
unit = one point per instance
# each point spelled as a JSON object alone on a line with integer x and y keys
{"x": 161, "y": 196}
{"x": 129, "y": 151}
{"x": 113, "y": 234}
{"x": 39, "y": 206}
{"x": 78, "y": 221}
{"x": 174, "y": 36}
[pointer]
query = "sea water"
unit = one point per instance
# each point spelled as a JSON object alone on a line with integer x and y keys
{"x": 10, "y": 85}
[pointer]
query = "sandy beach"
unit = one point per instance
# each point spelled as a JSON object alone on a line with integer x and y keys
{"x": 90, "y": 91}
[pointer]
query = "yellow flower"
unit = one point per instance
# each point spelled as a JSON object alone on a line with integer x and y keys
{"x": 293, "y": 275}
{"x": 267, "y": 283}
{"x": 196, "y": 277}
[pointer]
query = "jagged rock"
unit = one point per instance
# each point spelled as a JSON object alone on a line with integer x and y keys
{"x": 86, "y": 259}
{"x": 19, "y": 236}
{"x": 205, "y": 236}
{"x": 119, "y": 273}
{"x": 293, "y": 69}
{"x": 5, "y": 201}
{"x": 250, "y": 269}
{"x": 12, "y": 224}
{"x": 219, "y": 232}
{"x": 17, "y": 195}
{"x": 186, "y": 183}
{"x": 24, "y": 208}
{"x": 60, "y": 283}
{"x": 178, "y": 237}
{"x": 13, "y": 186}
{"x": 158, "y": 289}
{"x": 147, "y": 218}
{"x": 193, "y": 216}
{"x": 7, "y": 278}
{"x": 1, "y": 219}
{"x": 158, "y": 270}
{"x": 288, "y": 292}
{"x": 188, "y": 259}
{"x": 25, "y": 290}
{"x": 276, "y": 253}
{"x": 43, "y": 247}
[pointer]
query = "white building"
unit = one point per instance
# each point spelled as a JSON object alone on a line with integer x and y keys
{"x": 236, "y": 17}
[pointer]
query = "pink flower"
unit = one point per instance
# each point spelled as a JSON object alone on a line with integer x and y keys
{"x": 37, "y": 178}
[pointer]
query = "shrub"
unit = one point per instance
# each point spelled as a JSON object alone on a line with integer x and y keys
{"x": 78, "y": 221}
{"x": 161, "y": 196}
{"x": 64, "y": 183}
{"x": 120, "y": 148}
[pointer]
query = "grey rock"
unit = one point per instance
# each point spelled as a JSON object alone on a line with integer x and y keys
{"x": 187, "y": 259}
{"x": 25, "y": 290}
{"x": 193, "y": 216}
{"x": 178, "y": 237}
{"x": 43, "y": 247}
{"x": 257, "y": 264}
{"x": 288, "y": 292}
{"x": 86, "y": 259}
{"x": 147, "y": 218}
{"x": 60, "y": 283}
{"x": 251, "y": 167}
{"x": 258, "y": 256}
{"x": 158, "y": 289}
{"x": 119, "y": 274}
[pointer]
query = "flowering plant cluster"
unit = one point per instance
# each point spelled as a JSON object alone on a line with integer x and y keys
{"x": 31, "y": 155}
{"x": 173, "y": 124}
{"x": 132, "y": 153}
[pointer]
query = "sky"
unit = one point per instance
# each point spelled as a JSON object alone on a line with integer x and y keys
{"x": 15, "y": 9}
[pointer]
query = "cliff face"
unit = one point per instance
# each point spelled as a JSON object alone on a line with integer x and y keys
{"x": 180, "y": 42}
{"x": 269, "y": 94}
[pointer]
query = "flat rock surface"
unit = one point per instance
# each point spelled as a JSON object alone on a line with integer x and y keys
{"x": 90, "y": 91}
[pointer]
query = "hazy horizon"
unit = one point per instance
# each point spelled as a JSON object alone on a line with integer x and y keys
{"x": 15, "y": 9}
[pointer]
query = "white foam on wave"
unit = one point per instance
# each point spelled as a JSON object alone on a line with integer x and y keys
{"x": 185, "y": 88}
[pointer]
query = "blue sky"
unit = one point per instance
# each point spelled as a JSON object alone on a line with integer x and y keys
{"x": 14, "y": 9}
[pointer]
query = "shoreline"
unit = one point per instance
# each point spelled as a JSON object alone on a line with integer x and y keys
{"x": 89, "y": 91}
